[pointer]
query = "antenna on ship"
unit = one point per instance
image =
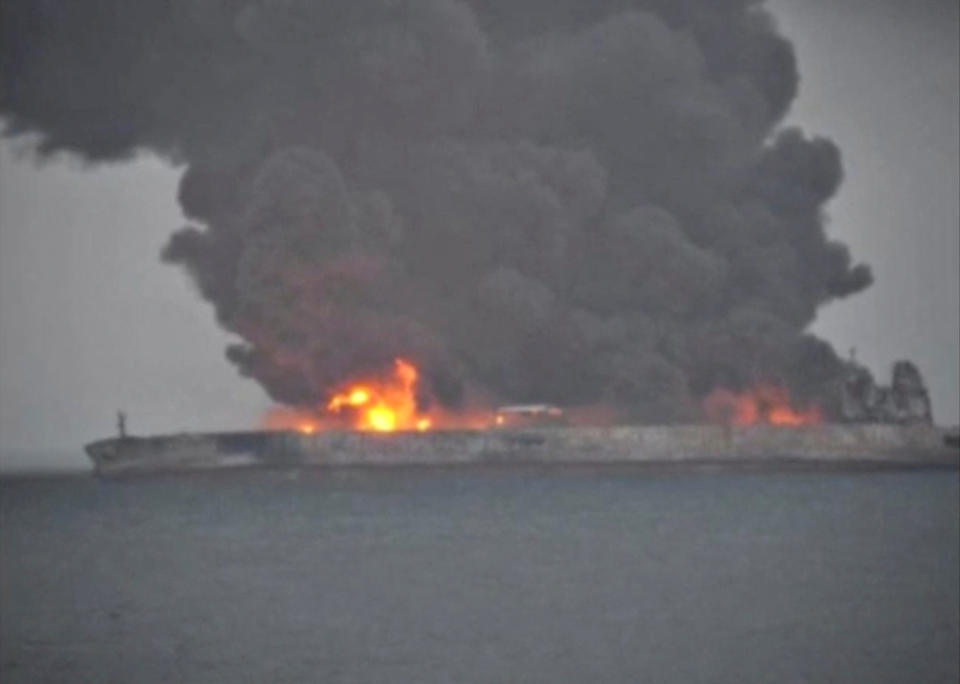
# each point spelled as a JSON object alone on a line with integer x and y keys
{"x": 122, "y": 424}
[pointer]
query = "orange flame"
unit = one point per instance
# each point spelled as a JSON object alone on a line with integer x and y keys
{"x": 765, "y": 404}
{"x": 388, "y": 403}
{"x": 382, "y": 405}
{"x": 376, "y": 404}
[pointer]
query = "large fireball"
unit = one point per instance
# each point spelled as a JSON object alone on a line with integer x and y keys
{"x": 382, "y": 405}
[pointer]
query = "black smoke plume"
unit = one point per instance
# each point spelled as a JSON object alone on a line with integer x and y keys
{"x": 549, "y": 200}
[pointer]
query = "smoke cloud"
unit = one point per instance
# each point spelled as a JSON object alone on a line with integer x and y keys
{"x": 547, "y": 200}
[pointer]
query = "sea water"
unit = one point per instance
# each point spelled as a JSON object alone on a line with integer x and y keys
{"x": 481, "y": 575}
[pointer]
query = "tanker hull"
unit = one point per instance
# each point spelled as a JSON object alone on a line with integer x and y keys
{"x": 827, "y": 445}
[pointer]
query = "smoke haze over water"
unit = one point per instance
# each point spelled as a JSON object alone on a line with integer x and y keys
{"x": 547, "y": 201}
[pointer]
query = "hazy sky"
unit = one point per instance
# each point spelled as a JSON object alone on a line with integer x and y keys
{"x": 91, "y": 321}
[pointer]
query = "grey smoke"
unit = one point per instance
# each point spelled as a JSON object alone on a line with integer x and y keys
{"x": 548, "y": 200}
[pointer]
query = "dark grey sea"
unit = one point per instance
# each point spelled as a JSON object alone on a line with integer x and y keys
{"x": 498, "y": 575}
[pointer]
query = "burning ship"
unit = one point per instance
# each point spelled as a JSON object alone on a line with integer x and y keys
{"x": 380, "y": 424}
{"x": 579, "y": 203}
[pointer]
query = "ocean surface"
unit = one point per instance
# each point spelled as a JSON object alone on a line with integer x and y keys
{"x": 482, "y": 575}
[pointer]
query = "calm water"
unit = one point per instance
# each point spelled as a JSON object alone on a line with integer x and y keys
{"x": 482, "y": 576}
